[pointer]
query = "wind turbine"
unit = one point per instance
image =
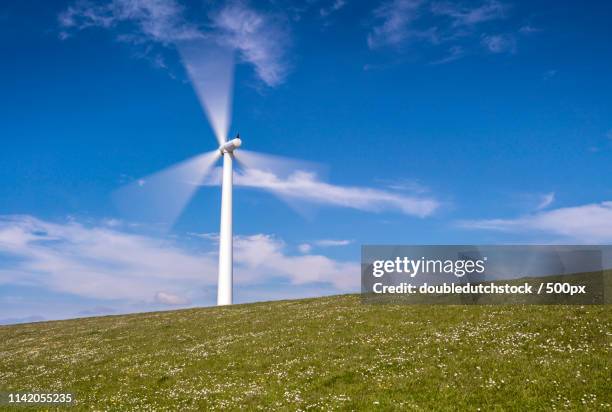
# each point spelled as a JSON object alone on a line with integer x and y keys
{"x": 165, "y": 194}
{"x": 226, "y": 258}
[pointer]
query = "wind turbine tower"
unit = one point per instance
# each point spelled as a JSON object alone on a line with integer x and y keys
{"x": 225, "y": 283}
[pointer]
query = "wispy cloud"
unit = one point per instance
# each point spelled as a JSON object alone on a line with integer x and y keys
{"x": 591, "y": 223}
{"x": 454, "y": 53}
{"x": 529, "y": 29}
{"x": 546, "y": 200}
{"x": 499, "y": 43}
{"x": 456, "y": 27}
{"x": 405, "y": 185}
{"x": 259, "y": 38}
{"x": 333, "y": 242}
{"x": 107, "y": 264}
{"x": 148, "y": 20}
{"x": 395, "y": 17}
{"x": 262, "y": 256}
{"x": 331, "y": 8}
{"x": 97, "y": 261}
{"x": 170, "y": 299}
{"x": 306, "y": 186}
{"x": 470, "y": 16}
{"x": 308, "y": 247}
{"x": 305, "y": 247}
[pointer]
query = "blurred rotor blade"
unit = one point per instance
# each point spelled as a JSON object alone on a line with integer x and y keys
{"x": 277, "y": 175}
{"x": 161, "y": 197}
{"x": 211, "y": 70}
{"x": 239, "y": 162}
{"x": 281, "y": 167}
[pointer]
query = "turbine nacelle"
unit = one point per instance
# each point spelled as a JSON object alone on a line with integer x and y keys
{"x": 229, "y": 147}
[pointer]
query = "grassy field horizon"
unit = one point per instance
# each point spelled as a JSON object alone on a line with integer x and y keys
{"x": 330, "y": 353}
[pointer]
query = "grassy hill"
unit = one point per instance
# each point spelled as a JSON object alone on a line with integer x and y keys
{"x": 325, "y": 353}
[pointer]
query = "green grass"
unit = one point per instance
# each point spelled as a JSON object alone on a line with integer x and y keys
{"x": 325, "y": 353}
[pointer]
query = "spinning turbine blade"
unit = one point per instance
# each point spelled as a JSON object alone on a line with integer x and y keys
{"x": 211, "y": 70}
{"x": 162, "y": 196}
{"x": 281, "y": 167}
{"x": 274, "y": 174}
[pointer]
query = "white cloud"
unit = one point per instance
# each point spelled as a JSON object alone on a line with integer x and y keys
{"x": 170, "y": 299}
{"x": 396, "y": 16}
{"x": 209, "y": 236}
{"x": 499, "y": 43}
{"x": 154, "y": 20}
{"x": 333, "y": 242}
{"x": 334, "y": 6}
{"x": 466, "y": 16}
{"x": 97, "y": 262}
{"x": 305, "y": 186}
{"x": 112, "y": 222}
{"x": 546, "y": 200}
{"x": 305, "y": 247}
{"x": 454, "y": 53}
{"x": 453, "y": 25}
{"x": 529, "y": 29}
{"x": 584, "y": 224}
{"x": 264, "y": 254}
{"x": 103, "y": 263}
{"x": 259, "y": 38}
{"x": 405, "y": 185}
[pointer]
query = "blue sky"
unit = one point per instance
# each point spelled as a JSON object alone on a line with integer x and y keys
{"x": 430, "y": 122}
